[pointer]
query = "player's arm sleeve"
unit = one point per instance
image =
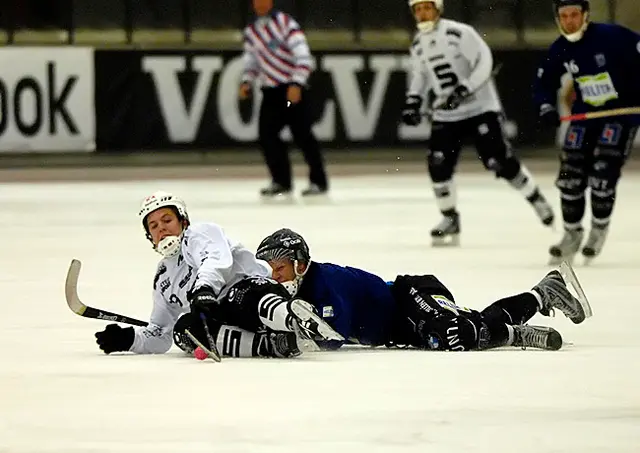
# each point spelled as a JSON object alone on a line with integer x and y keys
{"x": 477, "y": 52}
{"x": 548, "y": 80}
{"x": 299, "y": 47}
{"x": 418, "y": 79}
{"x": 208, "y": 247}
{"x": 251, "y": 63}
{"x": 156, "y": 338}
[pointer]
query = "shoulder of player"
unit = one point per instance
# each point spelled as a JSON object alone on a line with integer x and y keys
{"x": 456, "y": 29}
{"x": 202, "y": 229}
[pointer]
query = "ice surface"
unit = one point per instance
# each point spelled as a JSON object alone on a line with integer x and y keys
{"x": 58, "y": 393}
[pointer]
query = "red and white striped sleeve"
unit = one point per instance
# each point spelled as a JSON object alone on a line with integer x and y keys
{"x": 297, "y": 44}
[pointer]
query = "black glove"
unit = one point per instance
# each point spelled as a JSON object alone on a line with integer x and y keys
{"x": 457, "y": 97}
{"x": 548, "y": 116}
{"x": 411, "y": 112}
{"x": 204, "y": 300}
{"x": 115, "y": 338}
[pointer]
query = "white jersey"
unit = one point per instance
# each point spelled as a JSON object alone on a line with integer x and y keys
{"x": 207, "y": 258}
{"x": 453, "y": 53}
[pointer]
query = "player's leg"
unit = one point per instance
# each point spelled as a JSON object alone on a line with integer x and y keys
{"x": 256, "y": 303}
{"x": 609, "y": 157}
{"x": 300, "y": 123}
{"x": 270, "y": 124}
{"x": 233, "y": 341}
{"x": 498, "y": 156}
{"x": 430, "y": 318}
{"x": 444, "y": 149}
{"x": 575, "y": 160}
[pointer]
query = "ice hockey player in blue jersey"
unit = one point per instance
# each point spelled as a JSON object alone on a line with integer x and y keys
{"x": 604, "y": 61}
{"x": 417, "y": 311}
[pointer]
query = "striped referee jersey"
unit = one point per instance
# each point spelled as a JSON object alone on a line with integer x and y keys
{"x": 276, "y": 51}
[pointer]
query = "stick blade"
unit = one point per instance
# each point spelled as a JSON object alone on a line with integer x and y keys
{"x": 213, "y": 355}
{"x": 71, "y": 288}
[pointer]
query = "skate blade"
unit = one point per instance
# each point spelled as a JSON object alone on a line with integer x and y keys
{"x": 213, "y": 355}
{"x": 571, "y": 278}
{"x": 316, "y": 199}
{"x": 278, "y": 199}
{"x": 450, "y": 240}
{"x": 324, "y": 329}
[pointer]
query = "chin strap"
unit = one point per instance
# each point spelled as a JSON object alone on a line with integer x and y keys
{"x": 293, "y": 285}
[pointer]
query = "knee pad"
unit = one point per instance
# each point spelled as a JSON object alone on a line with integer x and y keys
{"x": 606, "y": 169}
{"x": 440, "y": 167}
{"x": 507, "y": 168}
{"x": 456, "y": 333}
{"x": 572, "y": 177}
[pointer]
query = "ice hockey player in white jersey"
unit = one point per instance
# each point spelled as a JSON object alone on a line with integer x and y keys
{"x": 204, "y": 276}
{"x": 451, "y": 77}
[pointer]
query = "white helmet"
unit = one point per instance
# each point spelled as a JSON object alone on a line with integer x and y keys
{"x": 170, "y": 245}
{"x": 430, "y": 24}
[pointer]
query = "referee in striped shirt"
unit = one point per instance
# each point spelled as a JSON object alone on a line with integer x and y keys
{"x": 276, "y": 55}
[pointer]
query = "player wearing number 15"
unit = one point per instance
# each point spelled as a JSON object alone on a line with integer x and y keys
{"x": 604, "y": 62}
{"x": 451, "y": 75}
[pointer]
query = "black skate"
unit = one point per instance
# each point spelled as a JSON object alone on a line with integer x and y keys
{"x": 308, "y": 325}
{"x": 276, "y": 191}
{"x": 594, "y": 243}
{"x": 566, "y": 249}
{"x": 447, "y": 232}
{"x": 554, "y": 293}
{"x": 537, "y": 337}
{"x": 544, "y": 210}
{"x": 313, "y": 190}
{"x": 278, "y": 344}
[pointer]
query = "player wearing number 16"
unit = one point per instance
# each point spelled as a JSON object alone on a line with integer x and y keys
{"x": 451, "y": 77}
{"x": 604, "y": 62}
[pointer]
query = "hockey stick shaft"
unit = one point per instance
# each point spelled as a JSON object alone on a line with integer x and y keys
{"x": 79, "y": 308}
{"x": 601, "y": 114}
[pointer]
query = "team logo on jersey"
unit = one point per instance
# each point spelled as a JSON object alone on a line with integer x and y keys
{"x": 597, "y": 89}
{"x": 574, "y": 137}
{"x": 611, "y": 134}
{"x": 600, "y": 60}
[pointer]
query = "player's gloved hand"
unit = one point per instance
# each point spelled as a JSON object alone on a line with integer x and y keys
{"x": 457, "y": 97}
{"x": 548, "y": 116}
{"x": 411, "y": 112}
{"x": 115, "y": 338}
{"x": 204, "y": 300}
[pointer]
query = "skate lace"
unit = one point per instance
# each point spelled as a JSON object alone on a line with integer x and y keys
{"x": 596, "y": 238}
{"x": 532, "y": 337}
{"x": 447, "y": 223}
{"x": 569, "y": 239}
{"x": 542, "y": 208}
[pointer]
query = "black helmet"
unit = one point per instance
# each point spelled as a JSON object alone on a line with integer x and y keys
{"x": 284, "y": 243}
{"x": 557, "y": 4}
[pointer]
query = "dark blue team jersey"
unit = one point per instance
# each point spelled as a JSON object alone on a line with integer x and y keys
{"x": 604, "y": 64}
{"x": 356, "y": 303}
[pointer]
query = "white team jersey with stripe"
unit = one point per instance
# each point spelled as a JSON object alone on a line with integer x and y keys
{"x": 207, "y": 258}
{"x": 276, "y": 51}
{"x": 453, "y": 53}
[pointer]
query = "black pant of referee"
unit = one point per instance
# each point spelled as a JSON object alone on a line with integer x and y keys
{"x": 274, "y": 116}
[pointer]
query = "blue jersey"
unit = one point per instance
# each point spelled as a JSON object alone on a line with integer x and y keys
{"x": 604, "y": 64}
{"x": 356, "y": 303}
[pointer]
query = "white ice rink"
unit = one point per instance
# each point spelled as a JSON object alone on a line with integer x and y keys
{"x": 59, "y": 393}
